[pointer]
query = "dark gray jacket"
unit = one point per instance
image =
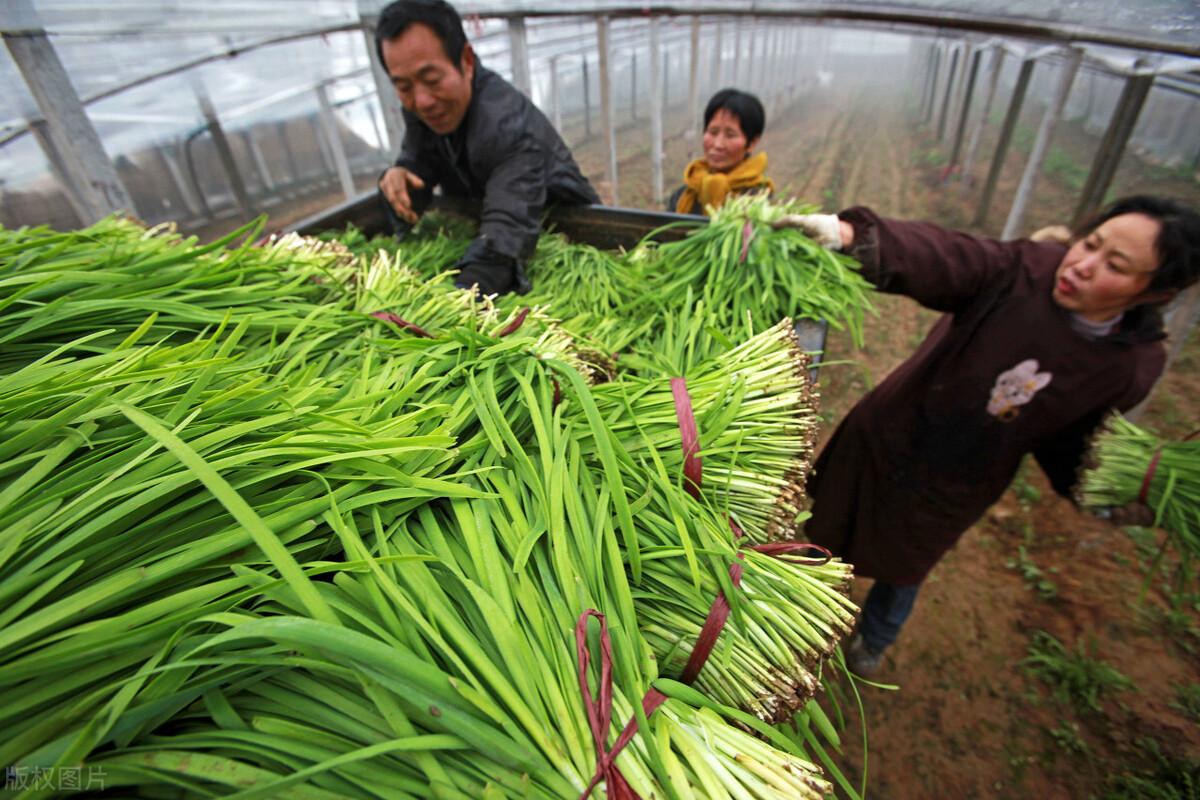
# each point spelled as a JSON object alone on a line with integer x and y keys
{"x": 506, "y": 154}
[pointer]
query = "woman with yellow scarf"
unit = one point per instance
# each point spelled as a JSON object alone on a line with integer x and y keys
{"x": 733, "y": 123}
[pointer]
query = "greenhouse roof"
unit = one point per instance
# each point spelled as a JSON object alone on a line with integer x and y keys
{"x": 1171, "y": 22}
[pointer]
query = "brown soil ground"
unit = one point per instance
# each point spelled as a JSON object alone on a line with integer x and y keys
{"x": 968, "y": 720}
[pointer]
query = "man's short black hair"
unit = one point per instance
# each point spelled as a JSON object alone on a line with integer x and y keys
{"x": 743, "y": 105}
{"x": 1178, "y": 243}
{"x": 438, "y": 15}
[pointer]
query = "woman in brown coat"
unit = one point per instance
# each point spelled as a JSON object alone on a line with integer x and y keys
{"x": 1039, "y": 340}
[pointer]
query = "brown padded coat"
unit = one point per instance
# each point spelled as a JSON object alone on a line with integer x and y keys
{"x": 921, "y": 457}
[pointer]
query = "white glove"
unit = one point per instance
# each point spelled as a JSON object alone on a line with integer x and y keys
{"x": 824, "y": 229}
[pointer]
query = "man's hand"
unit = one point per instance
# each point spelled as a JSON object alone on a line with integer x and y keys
{"x": 824, "y": 229}
{"x": 395, "y": 185}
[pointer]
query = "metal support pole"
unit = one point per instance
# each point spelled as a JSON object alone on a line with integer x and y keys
{"x": 1041, "y": 145}
{"x": 737, "y": 51}
{"x": 693, "y": 75}
{"x": 771, "y": 73}
{"x": 666, "y": 81}
{"x": 958, "y": 93}
{"x": 260, "y": 163}
{"x": 88, "y": 171}
{"x": 389, "y": 101}
{"x": 656, "y": 112}
{"x": 372, "y": 106}
{"x": 555, "y": 96}
{"x": 186, "y": 192}
{"x": 927, "y": 113}
{"x": 337, "y": 147}
{"x": 518, "y": 45}
{"x": 289, "y": 156}
{"x": 926, "y": 76}
{"x": 1006, "y": 132}
{"x": 606, "y": 107}
{"x": 633, "y": 86}
{"x": 966, "y": 108}
{"x": 58, "y": 169}
{"x": 977, "y": 134}
{"x": 1112, "y": 146}
{"x": 224, "y": 151}
{"x": 587, "y": 99}
{"x": 753, "y": 63}
{"x": 718, "y": 57}
{"x": 328, "y": 167}
{"x": 943, "y": 112}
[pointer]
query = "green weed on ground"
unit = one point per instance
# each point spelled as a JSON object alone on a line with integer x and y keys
{"x": 1156, "y": 776}
{"x": 1033, "y": 575}
{"x": 1074, "y": 677}
{"x": 1187, "y": 700}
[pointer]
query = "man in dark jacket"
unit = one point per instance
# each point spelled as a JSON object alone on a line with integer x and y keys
{"x": 471, "y": 132}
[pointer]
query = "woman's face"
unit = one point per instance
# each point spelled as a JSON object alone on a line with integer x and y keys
{"x": 1108, "y": 270}
{"x": 724, "y": 143}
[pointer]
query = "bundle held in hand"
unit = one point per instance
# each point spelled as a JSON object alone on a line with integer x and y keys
{"x": 1134, "y": 465}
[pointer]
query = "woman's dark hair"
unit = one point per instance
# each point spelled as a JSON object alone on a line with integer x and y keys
{"x": 438, "y": 15}
{"x": 743, "y": 105}
{"x": 1178, "y": 243}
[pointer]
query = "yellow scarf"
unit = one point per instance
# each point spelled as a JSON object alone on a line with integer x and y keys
{"x": 703, "y": 188}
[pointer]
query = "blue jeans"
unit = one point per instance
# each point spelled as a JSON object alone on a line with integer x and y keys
{"x": 884, "y": 614}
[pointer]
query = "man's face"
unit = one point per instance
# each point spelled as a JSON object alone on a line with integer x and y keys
{"x": 429, "y": 84}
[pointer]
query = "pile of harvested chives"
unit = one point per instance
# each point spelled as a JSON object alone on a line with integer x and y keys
{"x": 282, "y": 520}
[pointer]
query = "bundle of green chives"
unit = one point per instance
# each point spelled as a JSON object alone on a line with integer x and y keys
{"x": 469, "y": 684}
{"x": 130, "y": 482}
{"x": 579, "y": 500}
{"x": 578, "y": 278}
{"x": 102, "y": 282}
{"x": 1133, "y": 464}
{"x": 755, "y": 413}
{"x": 456, "y": 371}
{"x": 431, "y": 248}
{"x": 789, "y": 618}
{"x": 743, "y": 268}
